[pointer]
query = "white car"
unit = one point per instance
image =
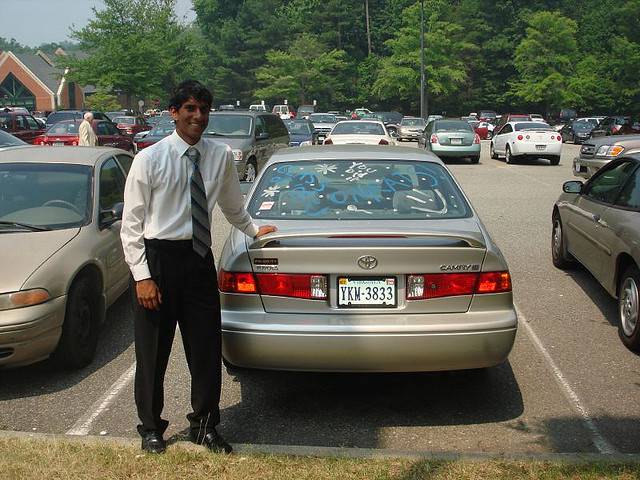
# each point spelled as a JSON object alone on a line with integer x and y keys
{"x": 363, "y": 132}
{"x": 527, "y": 139}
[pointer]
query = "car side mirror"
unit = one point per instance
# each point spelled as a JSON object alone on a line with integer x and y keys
{"x": 262, "y": 136}
{"x": 111, "y": 216}
{"x": 572, "y": 186}
{"x": 393, "y": 133}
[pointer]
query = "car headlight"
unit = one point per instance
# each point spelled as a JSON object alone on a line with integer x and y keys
{"x": 23, "y": 298}
{"x": 306, "y": 143}
{"x": 610, "y": 150}
{"x": 237, "y": 154}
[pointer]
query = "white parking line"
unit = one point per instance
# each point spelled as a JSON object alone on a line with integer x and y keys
{"x": 597, "y": 438}
{"x": 84, "y": 423}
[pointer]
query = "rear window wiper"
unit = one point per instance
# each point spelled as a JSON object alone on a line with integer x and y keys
{"x": 33, "y": 228}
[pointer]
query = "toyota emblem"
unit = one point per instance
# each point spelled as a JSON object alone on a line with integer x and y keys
{"x": 368, "y": 262}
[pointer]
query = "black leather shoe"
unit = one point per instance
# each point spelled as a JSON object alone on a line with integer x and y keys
{"x": 213, "y": 441}
{"x": 153, "y": 442}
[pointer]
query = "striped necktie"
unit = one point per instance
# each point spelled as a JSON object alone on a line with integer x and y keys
{"x": 201, "y": 237}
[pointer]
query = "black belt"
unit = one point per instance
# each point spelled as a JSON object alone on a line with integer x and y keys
{"x": 168, "y": 244}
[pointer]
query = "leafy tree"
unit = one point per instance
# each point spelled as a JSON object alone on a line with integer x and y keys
{"x": 545, "y": 60}
{"x": 102, "y": 100}
{"x": 14, "y": 46}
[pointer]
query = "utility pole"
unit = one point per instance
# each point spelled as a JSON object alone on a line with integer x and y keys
{"x": 366, "y": 12}
{"x": 422, "y": 109}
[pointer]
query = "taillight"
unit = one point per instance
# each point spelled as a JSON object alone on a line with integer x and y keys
{"x": 327, "y": 141}
{"x": 74, "y": 142}
{"x": 476, "y": 139}
{"x": 297, "y": 285}
{"x": 434, "y": 138}
{"x": 436, "y": 285}
{"x": 38, "y": 141}
{"x": 520, "y": 137}
{"x": 559, "y": 138}
{"x": 383, "y": 142}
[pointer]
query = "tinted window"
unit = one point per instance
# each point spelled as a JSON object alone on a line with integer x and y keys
{"x": 102, "y": 129}
{"x": 630, "y": 194}
{"x": 532, "y": 126}
{"x": 229, "y": 125}
{"x": 111, "y": 185}
{"x": 412, "y": 122}
{"x": 7, "y": 140}
{"x": 364, "y": 189}
{"x": 453, "y": 126}
{"x": 33, "y": 125}
{"x": 273, "y": 125}
{"x": 125, "y": 162}
{"x": 111, "y": 128}
{"x": 5, "y": 122}
{"x": 261, "y": 126}
{"x": 21, "y": 123}
{"x": 299, "y": 128}
{"x": 358, "y": 127}
{"x": 507, "y": 129}
{"x": 607, "y": 183}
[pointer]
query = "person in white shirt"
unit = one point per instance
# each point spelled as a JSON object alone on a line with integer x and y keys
{"x": 170, "y": 193}
{"x": 87, "y": 136}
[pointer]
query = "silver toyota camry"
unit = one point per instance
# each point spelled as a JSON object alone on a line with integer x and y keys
{"x": 379, "y": 264}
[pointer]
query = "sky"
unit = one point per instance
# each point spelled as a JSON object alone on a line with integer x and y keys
{"x": 34, "y": 22}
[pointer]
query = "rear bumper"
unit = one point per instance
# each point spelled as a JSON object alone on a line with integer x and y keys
{"x": 363, "y": 349}
{"x": 530, "y": 150}
{"x": 586, "y": 167}
{"x": 30, "y": 334}
{"x": 455, "y": 151}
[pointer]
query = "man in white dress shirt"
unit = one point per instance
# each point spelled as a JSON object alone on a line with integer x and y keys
{"x": 86, "y": 135}
{"x": 170, "y": 194}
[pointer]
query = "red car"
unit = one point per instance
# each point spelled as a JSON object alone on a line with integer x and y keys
{"x": 20, "y": 124}
{"x": 66, "y": 133}
{"x": 130, "y": 125}
{"x": 484, "y": 130}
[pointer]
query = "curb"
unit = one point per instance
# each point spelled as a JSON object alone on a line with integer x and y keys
{"x": 348, "y": 452}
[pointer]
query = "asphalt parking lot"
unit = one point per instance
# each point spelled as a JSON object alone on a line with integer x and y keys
{"x": 569, "y": 384}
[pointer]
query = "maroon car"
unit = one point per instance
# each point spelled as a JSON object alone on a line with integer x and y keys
{"x": 130, "y": 125}
{"x": 66, "y": 133}
{"x": 20, "y": 124}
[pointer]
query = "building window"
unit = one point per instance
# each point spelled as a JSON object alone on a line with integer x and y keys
{"x": 14, "y": 93}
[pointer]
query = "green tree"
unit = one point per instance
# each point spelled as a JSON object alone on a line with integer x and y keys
{"x": 102, "y": 100}
{"x": 306, "y": 71}
{"x": 545, "y": 61}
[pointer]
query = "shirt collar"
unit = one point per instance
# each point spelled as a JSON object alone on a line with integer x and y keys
{"x": 182, "y": 146}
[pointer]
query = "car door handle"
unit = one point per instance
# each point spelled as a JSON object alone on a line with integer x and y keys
{"x": 598, "y": 219}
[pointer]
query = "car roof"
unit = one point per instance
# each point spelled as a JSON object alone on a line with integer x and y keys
{"x": 70, "y": 155}
{"x": 353, "y": 152}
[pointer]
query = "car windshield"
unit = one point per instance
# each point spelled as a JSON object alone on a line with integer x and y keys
{"x": 63, "y": 128}
{"x": 322, "y": 118}
{"x": 582, "y": 126}
{"x": 532, "y": 126}
{"x": 364, "y": 189}
{"x": 412, "y": 122}
{"x": 8, "y": 140}
{"x": 358, "y": 127}
{"x": 163, "y": 129}
{"x": 45, "y": 195}
{"x": 298, "y": 128}
{"x": 127, "y": 120}
{"x": 229, "y": 125}
{"x": 453, "y": 126}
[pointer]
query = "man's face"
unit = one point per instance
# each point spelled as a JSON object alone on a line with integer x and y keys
{"x": 191, "y": 120}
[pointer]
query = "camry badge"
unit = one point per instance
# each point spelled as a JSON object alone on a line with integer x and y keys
{"x": 367, "y": 262}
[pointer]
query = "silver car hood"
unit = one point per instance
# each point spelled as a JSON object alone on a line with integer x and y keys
{"x": 26, "y": 251}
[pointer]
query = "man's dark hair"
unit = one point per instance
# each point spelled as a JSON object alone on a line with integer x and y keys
{"x": 190, "y": 89}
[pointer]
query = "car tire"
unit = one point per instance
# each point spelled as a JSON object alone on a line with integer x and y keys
{"x": 561, "y": 258}
{"x": 628, "y": 308}
{"x": 475, "y": 159}
{"x": 554, "y": 160}
{"x": 508, "y": 158}
{"x": 250, "y": 170}
{"x": 492, "y": 152}
{"x": 79, "y": 339}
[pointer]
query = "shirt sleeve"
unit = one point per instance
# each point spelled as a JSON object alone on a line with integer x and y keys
{"x": 231, "y": 200}
{"x": 137, "y": 192}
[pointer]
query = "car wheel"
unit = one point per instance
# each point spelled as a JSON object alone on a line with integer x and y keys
{"x": 77, "y": 345}
{"x": 559, "y": 255}
{"x": 475, "y": 159}
{"x": 250, "y": 171}
{"x": 508, "y": 158}
{"x": 628, "y": 306}
{"x": 492, "y": 152}
{"x": 554, "y": 160}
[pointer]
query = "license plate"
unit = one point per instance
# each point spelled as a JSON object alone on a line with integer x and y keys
{"x": 456, "y": 141}
{"x": 58, "y": 144}
{"x": 378, "y": 292}
{"x": 541, "y": 147}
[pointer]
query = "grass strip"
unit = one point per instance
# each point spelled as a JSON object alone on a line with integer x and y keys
{"x": 58, "y": 459}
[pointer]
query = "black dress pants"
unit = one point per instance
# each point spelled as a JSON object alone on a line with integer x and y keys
{"x": 190, "y": 298}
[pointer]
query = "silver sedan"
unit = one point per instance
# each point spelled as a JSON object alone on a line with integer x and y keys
{"x": 598, "y": 224}
{"x": 380, "y": 264}
{"x": 62, "y": 260}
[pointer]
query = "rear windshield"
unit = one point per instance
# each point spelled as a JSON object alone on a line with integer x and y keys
{"x": 163, "y": 128}
{"x": 320, "y": 118}
{"x": 229, "y": 125}
{"x": 582, "y": 125}
{"x": 60, "y": 116}
{"x": 412, "y": 122}
{"x": 364, "y": 189}
{"x": 358, "y": 127}
{"x": 532, "y": 126}
{"x": 63, "y": 128}
{"x": 298, "y": 128}
{"x": 453, "y": 126}
{"x": 127, "y": 120}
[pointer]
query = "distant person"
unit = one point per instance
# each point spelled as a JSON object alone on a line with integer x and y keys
{"x": 169, "y": 198}
{"x": 88, "y": 137}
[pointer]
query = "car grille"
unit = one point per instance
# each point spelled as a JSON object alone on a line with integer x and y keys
{"x": 322, "y": 131}
{"x": 587, "y": 150}
{"x": 294, "y": 144}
